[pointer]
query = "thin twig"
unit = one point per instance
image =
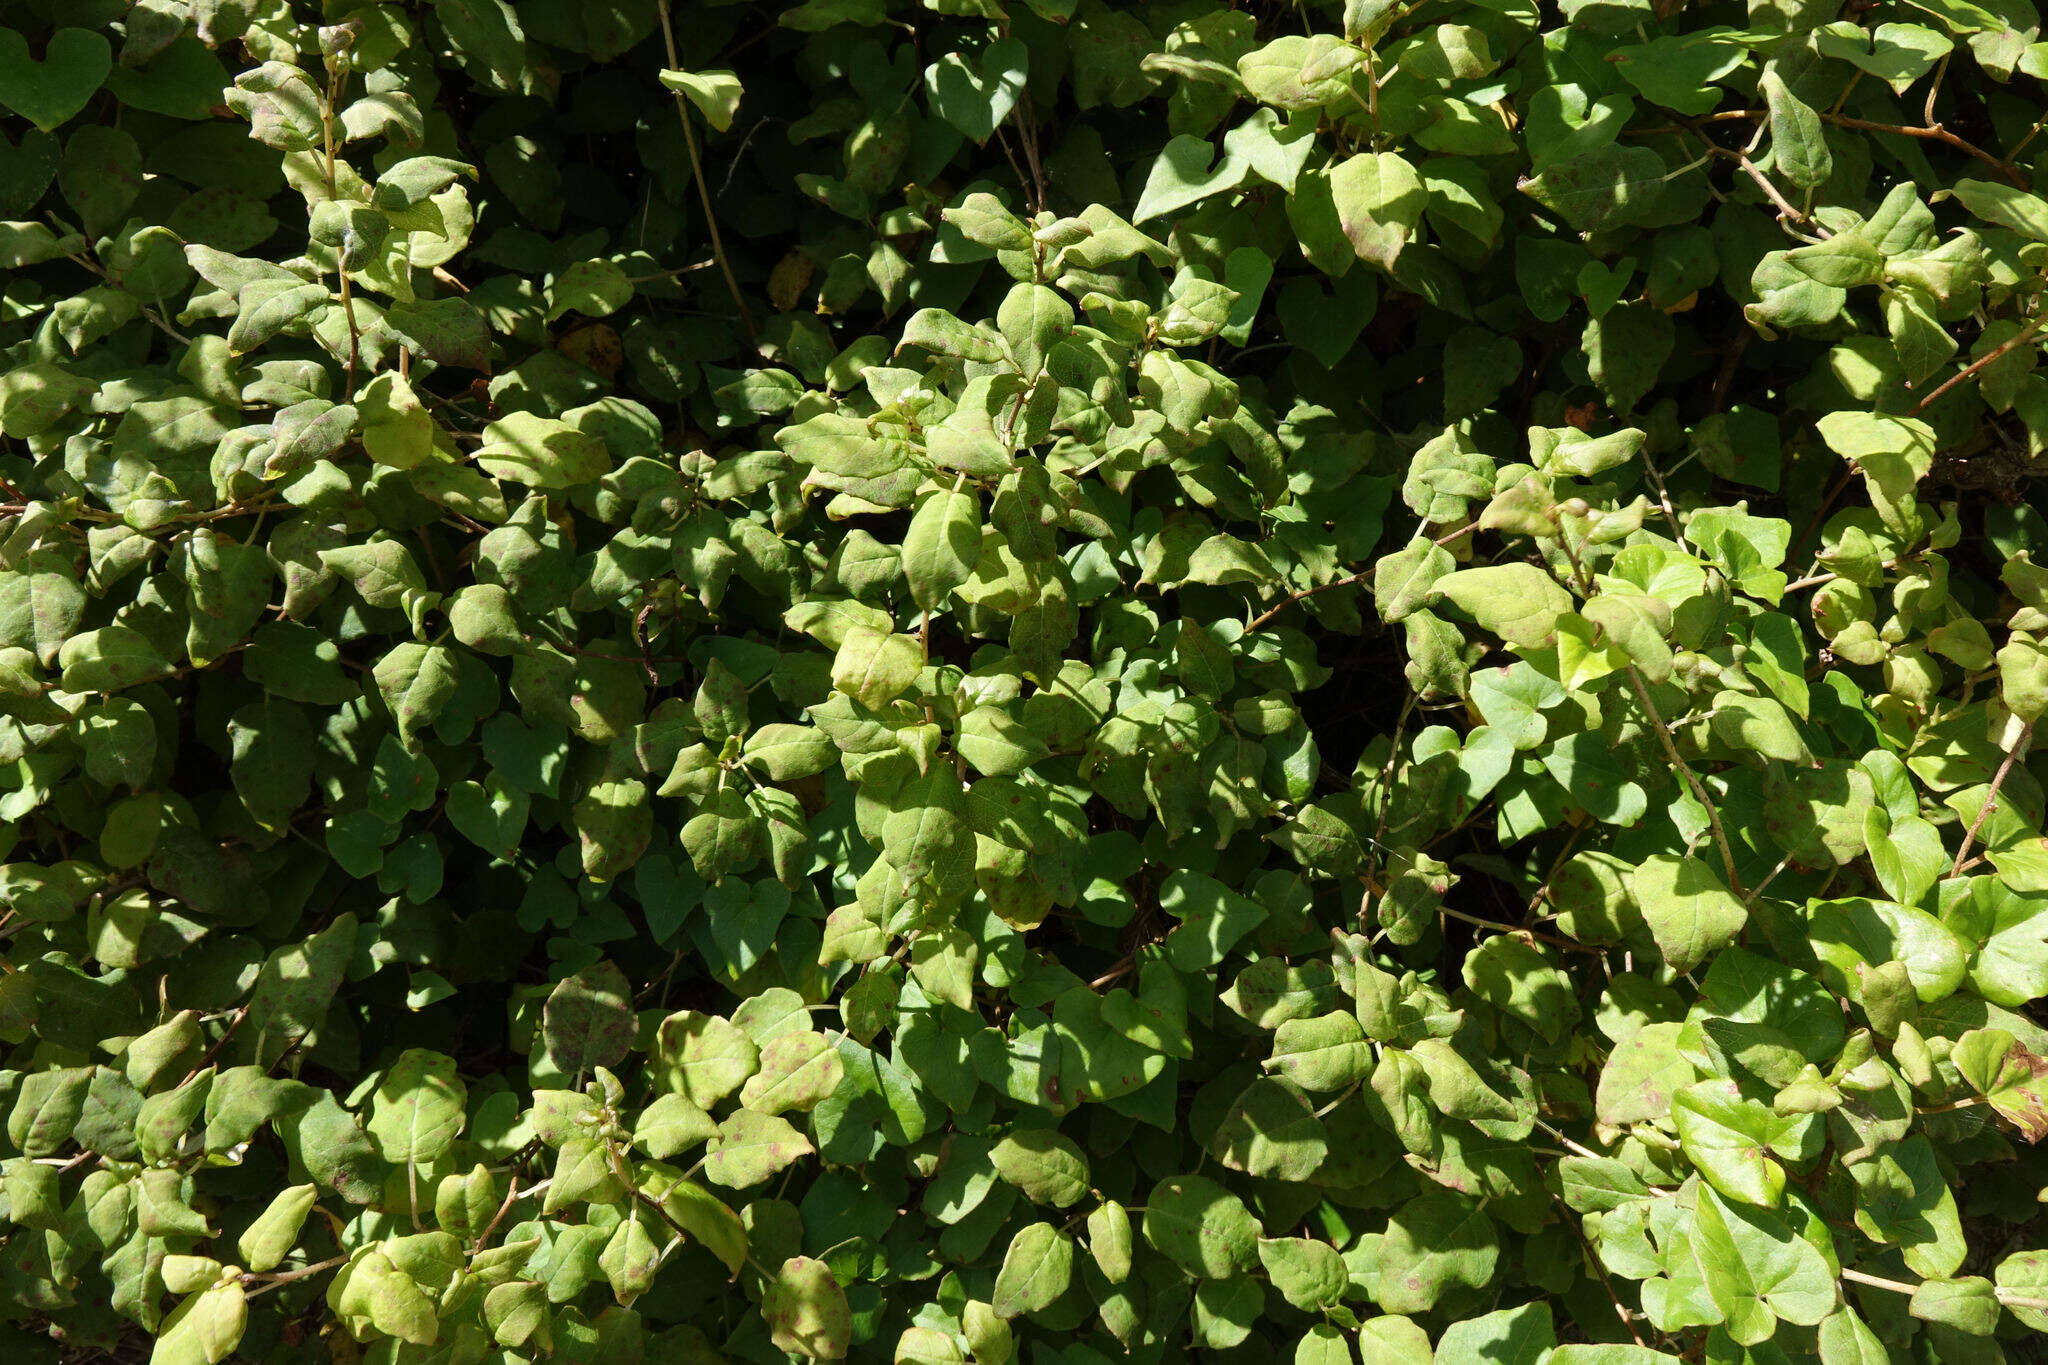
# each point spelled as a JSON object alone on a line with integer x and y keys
{"x": 1288, "y": 601}
{"x": 1692, "y": 780}
{"x": 155, "y": 318}
{"x": 1386, "y": 800}
{"x": 511, "y": 1197}
{"x": 1670, "y": 745}
{"x": 1933, "y": 90}
{"x": 671, "y": 273}
{"x": 1820, "y": 513}
{"x": 279, "y": 1281}
{"x": 732, "y": 284}
{"x": 2005, "y": 1296}
{"x": 1621, "y": 1311}
{"x": 2012, "y": 756}
{"x": 1786, "y": 209}
{"x": 1027, "y": 137}
{"x": 1520, "y": 932}
{"x": 1121, "y": 970}
{"x": 1763, "y": 182}
{"x": 1769, "y": 877}
{"x": 1578, "y": 1148}
{"x": 348, "y": 308}
{"x": 1933, "y": 133}
{"x": 219, "y": 1043}
{"x": 2019, "y": 338}
{"x": 1729, "y": 364}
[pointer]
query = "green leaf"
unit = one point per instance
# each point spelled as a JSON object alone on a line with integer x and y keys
{"x": 874, "y": 666}
{"x": 942, "y": 545}
{"x": 806, "y": 1311}
{"x": 267, "y": 1241}
{"x": 1969, "y": 1305}
{"x": 1046, "y": 1166}
{"x": 588, "y": 1020}
{"x": 1037, "y": 1269}
{"x": 1432, "y": 1245}
{"x": 1518, "y": 602}
{"x": 1612, "y": 185}
{"x": 715, "y": 93}
{"x": 1512, "y": 1336}
{"x": 596, "y": 289}
{"x": 1758, "y": 1270}
{"x": 1625, "y": 349}
{"x": 417, "y": 1108}
{"x": 1682, "y": 72}
{"x": 1308, "y": 1274}
{"x": 1322, "y": 1054}
{"x": 2024, "y": 1274}
{"x": 2013, "y": 209}
{"x": 751, "y": 1147}
{"x": 49, "y": 90}
{"x": 1689, "y": 909}
{"x": 1799, "y": 147}
{"x": 1379, "y": 200}
{"x": 542, "y": 452}
{"x": 1201, "y": 1227}
{"x": 977, "y": 100}
{"x": 799, "y": 1071}
{"x": 1521, "y": 980}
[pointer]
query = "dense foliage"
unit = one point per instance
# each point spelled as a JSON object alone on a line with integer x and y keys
{"x": 1022, "y": 680}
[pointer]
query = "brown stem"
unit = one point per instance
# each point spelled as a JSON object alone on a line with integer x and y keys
{"x": 2012, "y": 756}
{"x": 1027, "y": 136}
{"x": 1692, "y": 780}
{"x": 1934, "y": 132}
{"x": 1670, "y": 745}
{"x": 1121, "y": 970}
{"x": 1520, "y": 932}
{"x": 1729, "y": 364}
{"x": 221, "y": 1042}
{"x": 1292, "y": 598}
{"x": 511, "y": 1197}
{"x": 1820, "y": 513}
{"x": 1448, "y": 538}
{"x": 732, "y": 284}
{"x": 2019, "y": 338}
{"x": 1931, "y": 132}
{"x": 271, "y": 1282}
{"x": 2005, "y": 1296}
{"x": 348, "y": 308}
{"x": 1386, "y": 801}
{"x": 355, "y": 341}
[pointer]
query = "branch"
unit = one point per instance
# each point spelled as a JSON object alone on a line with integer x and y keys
{"x": 279, "y": 1281}
{"x": 2007, "y": 1297}
{"x": 668, "y": 35}
{"x": 1929, "y": 132}
{"x": 1692, "y": 780}
{"x": 2019, "y": 338}
{"x": 2012, "y": 756}
{"x": 1288, "y": 601}
{"x": 1519, "y": 932}
{"x": 1933, "y": 132}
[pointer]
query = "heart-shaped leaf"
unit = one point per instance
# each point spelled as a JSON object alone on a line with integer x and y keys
{"x": 26, "y": 170}
{"x": 977, "y": 103}
{"x": 50, "y": 91}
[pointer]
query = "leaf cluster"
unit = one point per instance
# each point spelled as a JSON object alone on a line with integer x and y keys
{"x": 1017, "y": 679}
